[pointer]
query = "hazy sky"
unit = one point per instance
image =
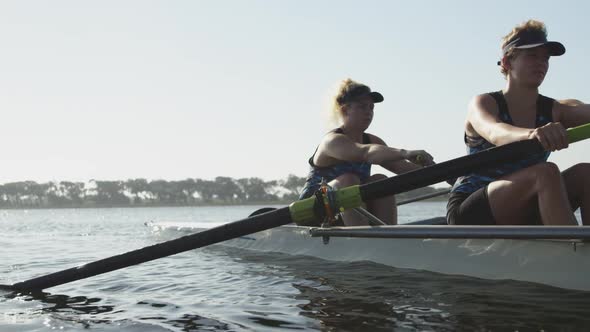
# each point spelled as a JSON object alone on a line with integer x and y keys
{"x": 195, "y": 89}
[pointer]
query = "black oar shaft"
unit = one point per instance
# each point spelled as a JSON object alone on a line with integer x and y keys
{"x": 448, "y": 169}
{"x": 214, "y": 235}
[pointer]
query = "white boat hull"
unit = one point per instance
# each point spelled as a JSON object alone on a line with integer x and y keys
{"x": 559, "y": 263}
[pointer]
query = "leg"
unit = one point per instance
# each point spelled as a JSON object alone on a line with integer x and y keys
{"x": 577, "y": 184}
{"x": 470, "y": 208}
{"x": 350, "y": 218}
{"x": 537, "y": 190}
{"x": 383, "y": 208}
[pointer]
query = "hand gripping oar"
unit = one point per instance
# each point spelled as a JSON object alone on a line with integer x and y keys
{"x": 300, "y": 212}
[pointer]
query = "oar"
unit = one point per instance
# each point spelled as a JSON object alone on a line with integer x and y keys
{"x": 406, "y": 201}
{"x": 574, "y": 233}
{"x": 300, "y": 212}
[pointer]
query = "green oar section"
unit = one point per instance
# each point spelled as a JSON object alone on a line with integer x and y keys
{"x": 301, "y": 212}
{"x": 578, "y": 133}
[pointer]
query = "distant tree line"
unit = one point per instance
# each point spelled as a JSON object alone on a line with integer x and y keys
{"x": 141, "y": 192}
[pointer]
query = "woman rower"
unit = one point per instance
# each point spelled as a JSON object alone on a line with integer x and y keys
{"x": 345, "y": 154}
{"x": 530, "y": 190}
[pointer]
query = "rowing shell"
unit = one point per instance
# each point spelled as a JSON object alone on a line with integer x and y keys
{"x": 561, "y": 263}
{"x": 301, "y": 212}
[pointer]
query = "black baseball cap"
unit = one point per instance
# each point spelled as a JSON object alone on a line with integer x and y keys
{"x": 358, "y": 90}
{"x": 533, "y": 38}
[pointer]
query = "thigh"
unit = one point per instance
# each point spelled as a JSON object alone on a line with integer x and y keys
{"x": 577, "y": 183}
{"x": 344, "y": 180}
{"x": 513, "y": 198}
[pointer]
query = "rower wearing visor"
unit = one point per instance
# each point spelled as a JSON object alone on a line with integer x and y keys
{"x": 530, "y": 190}
{"x": 345, "y": 155}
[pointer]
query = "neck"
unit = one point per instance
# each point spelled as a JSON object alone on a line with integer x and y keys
{"x": 355, "y": 133}
{"x": 521, "y": 95}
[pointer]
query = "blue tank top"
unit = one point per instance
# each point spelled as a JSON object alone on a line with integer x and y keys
{"x": 329, "y": 173}
{"x": 472, "y": 182}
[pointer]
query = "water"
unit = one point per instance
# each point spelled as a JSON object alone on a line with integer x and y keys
{"x": 224, "y": 289}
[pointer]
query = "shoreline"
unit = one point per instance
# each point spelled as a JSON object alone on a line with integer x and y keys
{"x": 129, "y": 206}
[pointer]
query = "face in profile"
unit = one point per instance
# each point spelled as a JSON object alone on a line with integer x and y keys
{"x": 360, "y": 112}
{"x": 530, "y": 65}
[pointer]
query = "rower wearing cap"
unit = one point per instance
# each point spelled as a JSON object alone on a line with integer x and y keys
{"x": 345, "y": 155}
{"x": 530, "y": 190}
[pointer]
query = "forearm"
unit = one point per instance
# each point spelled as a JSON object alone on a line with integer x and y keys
{"x": 502, "y": 133}
{"x": 381, "y": 154}
{"x": 484, "y": 120}
{"x": 576, "y": 116}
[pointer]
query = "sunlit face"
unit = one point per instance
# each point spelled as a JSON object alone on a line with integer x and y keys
{"x": 530, "y": 66}
{"x": 359, "y": 113}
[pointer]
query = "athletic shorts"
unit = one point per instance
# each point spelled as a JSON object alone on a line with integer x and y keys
{"x": 470, "y": 208}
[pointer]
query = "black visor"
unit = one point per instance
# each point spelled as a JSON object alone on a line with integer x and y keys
{"x": 534, "y": 38}
{"x": 358, "y": 91}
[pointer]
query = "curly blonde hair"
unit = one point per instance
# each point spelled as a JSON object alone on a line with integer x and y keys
{"x": 530, "y": 25}
{"x": 337, "y": 101}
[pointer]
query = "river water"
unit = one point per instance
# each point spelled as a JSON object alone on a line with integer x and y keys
{"x": 224, "y": 289}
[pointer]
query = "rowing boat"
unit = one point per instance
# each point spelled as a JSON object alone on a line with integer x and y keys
{"x": 307, "y": 212}
{"x": 555, "y": 256}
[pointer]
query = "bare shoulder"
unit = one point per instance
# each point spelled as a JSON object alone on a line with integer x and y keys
{"x": 330, "y": 142}
{"x": 565, "y": 105}
{"x": 333, "y": 140}
{"x": 570, "y": 102}
{"x": 376, "y": 139}
{"x": 483, "y": 102}
{"x": 481, "y": 110}
{"x": 482, "y": 105}
{"x": 334, "y": 137}
{"x": 571, "y": 112}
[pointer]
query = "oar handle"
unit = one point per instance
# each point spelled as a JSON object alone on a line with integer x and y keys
{"x": 467, "y": 164}
{"x": 578, "y": 133}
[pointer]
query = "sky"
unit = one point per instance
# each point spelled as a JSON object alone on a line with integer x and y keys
{"x": 114, "y": 90}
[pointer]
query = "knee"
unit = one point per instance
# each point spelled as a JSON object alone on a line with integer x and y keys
{"x": 580, "y": 172}
{"x": 347, "y": 180}
{"x": 545, "y": 173}
{"x": 548, "y": 168}
{"x": 582, "y": 169}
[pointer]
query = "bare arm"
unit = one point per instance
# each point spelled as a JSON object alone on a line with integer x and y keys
{"x": 402, "y": 166}
{"x": 483, "y": 120}
{"x": 405, "y": 165}
{"x": 572, "y": 112}
{"x": 336, "y": 147}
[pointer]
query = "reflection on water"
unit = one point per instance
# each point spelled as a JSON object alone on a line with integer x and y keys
{"x": 352, "y": 296}
{"x": 343, "y": 297}
{"x": 196, "y": 323}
